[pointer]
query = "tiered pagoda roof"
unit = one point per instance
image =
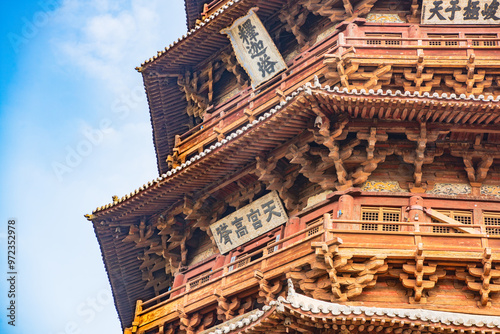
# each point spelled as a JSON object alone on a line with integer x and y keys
{"x": 362, "y": 100}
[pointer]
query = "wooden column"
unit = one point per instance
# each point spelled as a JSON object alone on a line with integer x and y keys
{"x": 293, "y": 226}
{"x": 219, "y": 262}
{"x": 416, "y": 215}
{"x": 346, "y": 212}
{"x": 178, "y": 281}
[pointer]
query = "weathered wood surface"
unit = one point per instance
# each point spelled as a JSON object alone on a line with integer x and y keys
{"x": 422, "y": 261}
{"x": 436, "y": 139}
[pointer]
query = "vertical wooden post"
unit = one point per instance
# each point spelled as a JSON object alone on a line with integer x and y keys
{"x": 292, "y": 226}
{"x": 138, "y": 309}
{"x": 345, "y": 212}
{"x": 477, "y": 218}
{"x": 416, "y": 215}
{"x": 219, "y": 262}
{"x": 341, "y": 43}
{"x": 178, "y": 281}
{"x": 327, "y": 227}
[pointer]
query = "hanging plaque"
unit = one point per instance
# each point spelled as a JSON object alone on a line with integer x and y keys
{"x": 460, "y": 12}
{"x": 249, "y": 222}
{"x": 254, "y": 48}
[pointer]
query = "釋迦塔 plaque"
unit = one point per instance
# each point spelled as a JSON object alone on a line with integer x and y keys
{"x": 254, "y": 48}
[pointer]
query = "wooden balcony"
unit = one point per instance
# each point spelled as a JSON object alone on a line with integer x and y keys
{"x": 394, "y": 242}
{"x": 357, "y": 45}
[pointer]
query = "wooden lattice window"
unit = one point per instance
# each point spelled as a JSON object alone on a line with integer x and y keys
{"x": 385, "y": 39}
{"x": 270, "y": 248}
{"x": 241, "y": 263}
{"x": 464, "y": 217}
{"x": 441, "y": 42}
{"x": 197, "y": 280}
{"x": 483, "y": 42}
{"x": 316, "y": 229}
{"x": 380, "y": 214}
{"x": 492, "y": 222}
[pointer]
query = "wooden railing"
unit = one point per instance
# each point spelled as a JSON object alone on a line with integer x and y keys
{"x": 387, "y": 42}
{"x": 234, "y": 113}
{"x": 229, "y": 116}
{"x": 163, "y": 298}
{"x": 405, "y": 237}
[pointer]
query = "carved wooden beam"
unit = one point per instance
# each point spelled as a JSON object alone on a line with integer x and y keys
{"x": 366, "y": 169}
{"x": 266, "y": 170}
{"x": 156, "y": 268}
{"x": 196, "y": 209}
{"x": 468, "y": 83}
{"x": 340, "y": 69}
{"x": 335, "y": 276}
{"x": 267, "y": 290}
{"x": 383, "y": 73}
{"x": 294, "y": 17}
{"x": 363, "y": 7}
{"x": 483, "y": 154}
{"x": 348, "y": 7}
{"x": 372, "y": 138}
{"x": 234, "y": 67}
{"x": 339, "y": 156}
{"x": 310, "y": 167}
{"x": 324, "y": 8}
{"x": 326, "y": 134}
{"x": 244, "y": 195}
{"x": 484, "y": 280}
{"x": 188, "y": 323}
{"x": 226, "y": 307}
{"x": 419, "y": 277}
{"x": 208, "y": 321}
{"x": 140, "y": 234}
{"x": 197, "y": 104}
{"x": 414, "y": 8}
{"x": 420, "y": 155}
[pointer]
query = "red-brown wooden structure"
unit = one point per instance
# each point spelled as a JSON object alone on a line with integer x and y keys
{"x": 381, "y": 139}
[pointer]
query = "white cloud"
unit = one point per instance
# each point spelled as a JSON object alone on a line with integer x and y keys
{"x": 111, "y": 42}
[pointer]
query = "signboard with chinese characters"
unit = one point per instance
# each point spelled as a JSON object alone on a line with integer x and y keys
{"x": 254, "y": 48}
{"x": 249, "y": 222}
{"x": 460, "y": 12}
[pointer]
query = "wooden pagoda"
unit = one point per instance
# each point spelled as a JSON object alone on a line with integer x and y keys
{"x": 325, "y": 166}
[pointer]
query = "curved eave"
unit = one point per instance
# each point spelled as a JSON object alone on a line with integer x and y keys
{"x": 124, "y": 284}
{"x": 193, "y": 9}
{"x": 307, "y": 313}
{"x": 204, "y": 39}
{"x": 210, "y": 167}
{"x": 171, "y": 186}
{"x": 166, "y": 103}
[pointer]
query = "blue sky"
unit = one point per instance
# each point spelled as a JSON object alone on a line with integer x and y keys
{"x": 74, "y": 130}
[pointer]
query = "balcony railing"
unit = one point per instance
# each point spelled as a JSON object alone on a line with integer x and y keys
{"x": 400, "y": 237}
{"x": 234, "y": 113}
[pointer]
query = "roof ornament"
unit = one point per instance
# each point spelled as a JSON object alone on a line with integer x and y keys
{"x": 291, "y": 289}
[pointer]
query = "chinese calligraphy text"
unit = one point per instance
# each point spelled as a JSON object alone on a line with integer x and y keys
{"x": 460, "y": 12}
{"x": 254, "y": 48}
{"x": 249, "y": 222}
